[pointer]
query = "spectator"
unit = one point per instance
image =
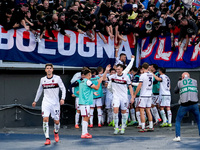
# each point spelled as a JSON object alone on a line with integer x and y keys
{"x": 84, "y": 25}
{"x": 73, "y": 23}
{"x": 102, "y": 27}
{"x": 90, "y": 4}
{"x": 46, "y": 8}
{"x": 58, "y": 25}
{"x": 18, "y": 16}
{"x": 127, "y": 8}
{"x": 49, "y": 27}
{"x": 107, "y": 8}
{"x": 5, "y": 20}
{"x": 188, "y": 29}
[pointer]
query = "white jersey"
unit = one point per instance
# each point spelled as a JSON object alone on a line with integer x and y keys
{"x": 147, "y": 84}
{"x": 119, "y": 85}
{"x": 51, "y": 86}
{"x": 164, "y": 85}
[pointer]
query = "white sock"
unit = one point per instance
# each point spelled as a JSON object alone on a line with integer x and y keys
{"x": 162, "y": 112}
{"x": 46, "y": 129}
{"x": 138, "y": 118}
{"x": 116, "y": 119}
{"x": 84, "y": 127}
{"x": 150, "y": 124}
{"x": 124, "y": 119}
{"x": 127, "y": 114}
{"x": 133, "y": 114}
{"x": 77, "y": 118}
{"x": 143, "y": 125}
{"x": 56, "y": 127}
{"x": 91, "y": 116}
{"x": 169, "y": 115}
{"x": 99, "y": 111}
{"x": 154, "y": 111}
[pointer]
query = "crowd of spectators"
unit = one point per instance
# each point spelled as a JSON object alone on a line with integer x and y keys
{"x": 114, "y": 18}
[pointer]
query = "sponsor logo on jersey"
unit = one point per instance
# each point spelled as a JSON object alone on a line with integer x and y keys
{"x": 49, "y": 86}
{"x": 118, "y": 81}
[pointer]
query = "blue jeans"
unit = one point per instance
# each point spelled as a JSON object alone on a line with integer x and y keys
{"x": 182, "y": 111}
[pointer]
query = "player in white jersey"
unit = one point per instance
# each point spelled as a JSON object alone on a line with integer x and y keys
{"x": 109, "y": 98}
{"x": 165, "y": 97}
{"x": 120, "y": 59}
{"x": 50, "y": 84}
{"x": 145, "y": 87}
{"x": 120, "y": 95}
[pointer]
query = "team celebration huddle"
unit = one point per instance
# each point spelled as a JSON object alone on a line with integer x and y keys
{"x": 123, "y": 95}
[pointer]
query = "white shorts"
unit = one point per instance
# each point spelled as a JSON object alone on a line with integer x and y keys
{"x": 145, "y": 102}
{"x": 136, "y": 102}
{"x": 120, "y": 102}
{"x": 85, "y": 110}
{"x": 165, "y": 101}
{"x": 155, "y": 99}
{"x": 96, "y": 102}
{"x": 77, "y": 103}
{"x": 48, "y": 109}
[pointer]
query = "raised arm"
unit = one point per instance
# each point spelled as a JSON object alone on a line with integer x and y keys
{"x": 130, "y": 65}
{"x": 106, "y": 71}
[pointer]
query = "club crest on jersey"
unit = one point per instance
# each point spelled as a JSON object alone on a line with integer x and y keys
{"x": 52, "y": 80}
{"x": 122, "y": 77}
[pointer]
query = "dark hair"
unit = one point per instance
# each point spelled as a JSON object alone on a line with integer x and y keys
{"x": 49, "y": 64}
{"x": 85, "y": 72}
{"x": 112, "y": 69}
{"x": 145, "y": 65}
{"x": 93, "y": 71}
{"x": 99, "y": 69}
{"x": 135, "y": 69}
{"x": 120, "y": 65}
{"x": 155, "y": 66}
{"x": 122, "y": 54}
{"x": 25, "y": 5}
{"x": 163, "y": 70}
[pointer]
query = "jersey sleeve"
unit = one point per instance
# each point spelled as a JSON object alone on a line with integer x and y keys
{"x": 39, "y": 92}
{"x": 89, "y": 83}
{"x": 62, "y": 88}
{"x": 128, "y": 80}
{"x": 141, "y": 79}
{"x": 110, "y": 77}
{"x": 130, "y": 65}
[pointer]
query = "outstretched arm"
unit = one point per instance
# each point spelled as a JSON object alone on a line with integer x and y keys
{"x": 130, "y": 65}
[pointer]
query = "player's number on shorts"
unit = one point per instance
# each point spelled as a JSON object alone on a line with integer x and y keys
{"x": 151, "y": 81}
{"x": 57, "y": 112}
